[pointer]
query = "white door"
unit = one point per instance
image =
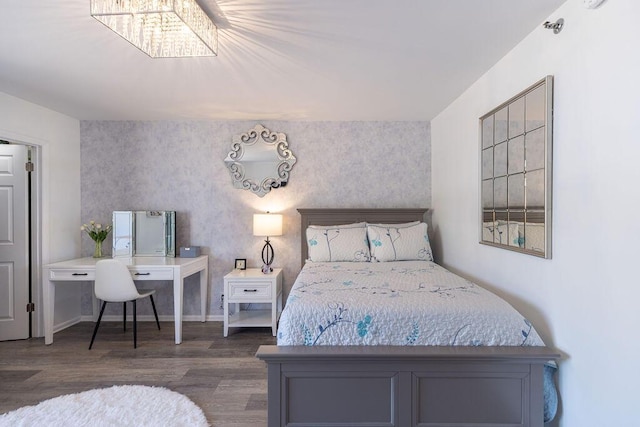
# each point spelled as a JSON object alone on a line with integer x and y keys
{"x": 14, "y": 256}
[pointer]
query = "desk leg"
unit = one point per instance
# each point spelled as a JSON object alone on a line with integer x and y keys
{"x": 178, "y": 289}
{"x": 204, "y": 278}
{"x": 49, "y": 297}
{"x": 225, "y": 305}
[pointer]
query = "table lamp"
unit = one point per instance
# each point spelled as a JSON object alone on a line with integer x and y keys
{"x": 266, "y": 225}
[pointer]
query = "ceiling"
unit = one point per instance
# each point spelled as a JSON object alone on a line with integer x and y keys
{"x": 278, "y": 59}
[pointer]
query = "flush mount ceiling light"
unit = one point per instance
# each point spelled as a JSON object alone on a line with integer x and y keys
{"x": 160, "y": 28}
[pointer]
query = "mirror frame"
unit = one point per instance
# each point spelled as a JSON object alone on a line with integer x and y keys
{"x": 521, "y": 215}
{"x": 246, "y": 151}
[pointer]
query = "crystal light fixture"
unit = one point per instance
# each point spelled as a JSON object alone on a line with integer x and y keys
{"x": 160, "y": 28}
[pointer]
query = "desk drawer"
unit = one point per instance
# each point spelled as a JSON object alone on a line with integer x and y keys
{"x": 240, "y": 291}
{"x": 139, "y": 273}
{"x": 72, "y": 274}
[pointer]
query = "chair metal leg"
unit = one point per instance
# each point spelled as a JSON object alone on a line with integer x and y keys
{"x": 153, "y": 304}
{"x": 124, "y": 316}
{"x": 95, "y": 330}
{"x": 135, "y": 326}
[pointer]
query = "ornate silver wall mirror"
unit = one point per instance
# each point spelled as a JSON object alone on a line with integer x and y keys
{"x": 515, "y": 167}
{"x": 260, "y": 160}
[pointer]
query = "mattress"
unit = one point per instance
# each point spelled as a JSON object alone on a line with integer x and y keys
{"x": 397, "y": 303}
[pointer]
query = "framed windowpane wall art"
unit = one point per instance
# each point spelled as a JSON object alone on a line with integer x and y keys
{"x": 515, "y": 168}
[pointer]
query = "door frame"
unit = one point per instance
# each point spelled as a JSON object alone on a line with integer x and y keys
{"x": 36, "y": 240}
{"x": 37, "y": 324}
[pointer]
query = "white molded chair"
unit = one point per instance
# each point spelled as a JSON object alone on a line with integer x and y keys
{"x": 113, "y": 283}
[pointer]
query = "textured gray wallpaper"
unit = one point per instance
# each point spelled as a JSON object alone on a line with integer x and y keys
{"x": 179, "y": 165}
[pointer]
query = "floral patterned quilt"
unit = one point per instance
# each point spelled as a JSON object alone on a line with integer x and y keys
{"x": 397, "y": 303}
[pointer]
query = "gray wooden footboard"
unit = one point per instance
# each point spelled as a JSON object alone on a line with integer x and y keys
{"x": 405, "y": 386}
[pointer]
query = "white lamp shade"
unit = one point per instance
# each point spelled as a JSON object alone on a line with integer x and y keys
{"x": 267, "y": 225}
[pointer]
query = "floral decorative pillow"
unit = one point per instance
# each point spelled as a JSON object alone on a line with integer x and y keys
{"x": 338, "y": 243}
{"x": 395, "y": 242}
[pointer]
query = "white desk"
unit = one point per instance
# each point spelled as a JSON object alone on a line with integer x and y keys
{"x": 141, "y": 268}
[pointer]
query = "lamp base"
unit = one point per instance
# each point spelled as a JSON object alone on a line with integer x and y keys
{"x": 267, "y": 257}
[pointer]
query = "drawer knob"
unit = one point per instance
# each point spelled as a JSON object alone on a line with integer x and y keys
{"x": 79, "y": 274}
{"x": 251, "y": 290}
{"x": 142, "y": 274}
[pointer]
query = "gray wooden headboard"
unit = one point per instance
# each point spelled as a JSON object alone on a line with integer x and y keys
{"x": 347, "y": 216}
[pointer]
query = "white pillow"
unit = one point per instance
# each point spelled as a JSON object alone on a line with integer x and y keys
{"x": 338, "y": 243}
{"x": 397, "y": 243}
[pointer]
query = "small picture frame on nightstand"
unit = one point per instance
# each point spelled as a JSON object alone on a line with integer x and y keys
{"x": 241, "y": 264}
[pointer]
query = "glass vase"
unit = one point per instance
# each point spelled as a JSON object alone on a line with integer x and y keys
{"x": 97, "y": 250}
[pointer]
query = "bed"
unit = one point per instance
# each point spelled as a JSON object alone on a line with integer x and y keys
{"x": 355, "y": 347}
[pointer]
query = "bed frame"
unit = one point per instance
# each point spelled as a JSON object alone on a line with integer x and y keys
{"x": 377, "y": 386}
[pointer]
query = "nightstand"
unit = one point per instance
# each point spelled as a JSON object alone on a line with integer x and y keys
{"x": 252, "y": 286}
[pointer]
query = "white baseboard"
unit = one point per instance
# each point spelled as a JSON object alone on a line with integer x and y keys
{"x": 147, "y": 318}
{"x": 65, "y": 325}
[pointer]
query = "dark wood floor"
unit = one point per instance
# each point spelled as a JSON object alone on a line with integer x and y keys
{"x": 221, "y": 375}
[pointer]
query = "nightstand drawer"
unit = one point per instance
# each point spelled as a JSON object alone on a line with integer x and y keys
{"x": 247, "y": 290}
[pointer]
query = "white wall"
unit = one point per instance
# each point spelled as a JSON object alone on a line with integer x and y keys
{"x": 584, "y": 301}
{"x": 58, "y": 137}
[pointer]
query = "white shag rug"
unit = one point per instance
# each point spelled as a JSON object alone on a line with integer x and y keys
{"x": 127, "y": 405}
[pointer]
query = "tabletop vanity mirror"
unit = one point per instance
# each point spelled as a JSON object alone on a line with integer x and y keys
{"x": 144, "y": 233}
